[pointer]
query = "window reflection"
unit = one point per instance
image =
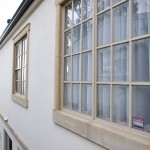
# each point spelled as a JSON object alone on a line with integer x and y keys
{"x": 141, "y": 104}
{"x": 67, "y": 96}
{"x": 103, "y": 102}
{"x": 68, "y": 43}
{"x": 121, "y": 62}
{"x": 104, "y": 28}
{"x": 77, "y": 11}
{"x": 121, "y": 104}
{"x": 87, "y": 9}
{"x": 141, "y": 60}
{"x": 76, "y": 39}
{"x": 102, "y": 4}
{"x": 68, "y": 16}
{"x": 103, "y": 64}
{"x": 76, "y": 97}
{"x": 121, "y": 22}
{"x": 87, "y": 66}
{"x": 87, "y": 35}
{"x": 87, "y": 99}
{"x": 141, "y": 17}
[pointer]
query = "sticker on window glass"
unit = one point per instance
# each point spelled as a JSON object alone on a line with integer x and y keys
{"x": 138, "y": 123}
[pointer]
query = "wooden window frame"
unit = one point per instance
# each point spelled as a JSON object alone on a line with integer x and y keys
{"x": 97, "y": 130}
{"x": 21, "y": 99}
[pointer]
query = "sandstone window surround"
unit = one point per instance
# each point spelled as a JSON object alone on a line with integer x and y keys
{"x": 20, "y": 67}
{"x": 103, "y": 127}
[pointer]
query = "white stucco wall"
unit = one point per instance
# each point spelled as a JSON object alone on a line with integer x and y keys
{"x": 34, "y": 125}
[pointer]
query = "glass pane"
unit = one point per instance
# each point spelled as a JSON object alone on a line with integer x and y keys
{"x": 22, "y": 88}
{"x": 18, "y": 49}
{"x": 76, "y": 97}
{"x": 141, "y": 17}
{"x": 121, "y": 22}
{"x": 23, "y": 60}
{"x": 67, "y": 96}
{"x": 104, "y": 28}
{"x": 68, "y": 42}
{"x": 103, "y": 64}
{"x": 76, "y": 67}
{"x": 103, "y": 107}
{"x": 67, "y": 69}
{"x": 102, "y": 4}
{"x": 141, "y": 104}
{"x": 121, "y": 62}
{"x": 116, "y": 1}
{"x": 25, "y": 45}
{"x": 120, "y": 106}
{"x": 77, "y": 11}
{"x": 18, "y": 62}
{"x": 76, "y": 39}
{"x": 68, "y": 16}
{"x": 87, "y": 66}
{"x": 141, "y": 60}
{"x": 18, "y": 87}
{"x": 23, "y": 74}
{"x": 18, "y": 75}
{"x": 87, "y": 35}
{"x": 87, "y": 9}
{"x": 87, "y": 99}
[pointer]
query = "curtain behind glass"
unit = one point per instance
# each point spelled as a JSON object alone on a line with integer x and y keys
{"x": 76, "y": 67}
{"x": 87, "y": 35}
{"x": 104, "y": 28}
{"x": 87, "y": 99}
{"x": 141, "y": 104}
{"x": 121, "y": 22}
{"x": 120, "y": 104}
{"x": 68, "y": 16}
{"x": 67, "y": 96}
{"x": 141, "y": 60}
{"x": 121, "y": 62}
{"x": 87, "y": 66}
{"x": 75, "y": 97}
{"x": 102, "y": 4}
{"x": 141, "y": 17}
{"x": 103, "y": 64}
{"x": 103, "y": 102}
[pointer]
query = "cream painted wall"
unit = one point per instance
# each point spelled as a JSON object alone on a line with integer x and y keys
{"x": 34, "y": 125}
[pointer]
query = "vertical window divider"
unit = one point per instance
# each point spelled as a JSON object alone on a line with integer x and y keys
{"x": 130, "y": 63}
{"x": 94, "y": 87}
{"x": 111, "y": 61}
{"x": 81, "y": 30}
{"x": 71, "y": 55}
{"x": 62, "y": 57}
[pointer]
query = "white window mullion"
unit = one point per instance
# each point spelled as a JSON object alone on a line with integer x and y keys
{"x": 130, "y": 62}
{"x": 111, "y": 61}
{"x": 94, "y": 9}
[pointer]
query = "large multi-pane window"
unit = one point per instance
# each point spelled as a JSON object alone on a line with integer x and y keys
{"x": 20, "y": 67}
{"x": 78, "y": 76}
{"x": 106, "y": 60}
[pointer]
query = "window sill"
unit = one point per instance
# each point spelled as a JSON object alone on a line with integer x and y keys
{"x": 21, "y": 100}
{"x": 112, "y": 137}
